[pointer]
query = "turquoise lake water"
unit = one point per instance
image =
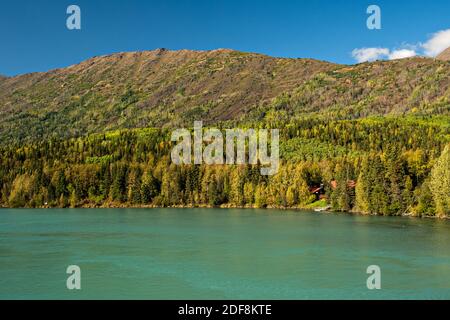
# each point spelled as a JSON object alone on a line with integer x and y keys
{"x": 220, "y": 254}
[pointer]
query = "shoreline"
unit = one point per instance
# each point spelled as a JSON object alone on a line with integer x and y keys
{"x": 228, "y": 206}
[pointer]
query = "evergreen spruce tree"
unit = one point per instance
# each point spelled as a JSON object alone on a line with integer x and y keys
{"x": 149, "y": 188}
{"x": 395, "y": 177}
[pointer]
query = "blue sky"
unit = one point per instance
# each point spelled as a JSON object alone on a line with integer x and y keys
{"x": 34, "y": 36}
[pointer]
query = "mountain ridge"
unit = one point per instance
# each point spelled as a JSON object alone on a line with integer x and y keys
{"x": 165, "y": 88}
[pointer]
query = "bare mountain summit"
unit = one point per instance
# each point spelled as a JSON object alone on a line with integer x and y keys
{"x": 445, "y": 55}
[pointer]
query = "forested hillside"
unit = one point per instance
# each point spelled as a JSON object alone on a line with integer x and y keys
{"x": 372, "y": 138}
{"x": 400, "y": 166}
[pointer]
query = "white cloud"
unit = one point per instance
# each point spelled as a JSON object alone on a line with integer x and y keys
{"x": 401, "y": 54}
{"x": 438, "y": 42}
{"x": 373, "y": 54}
{"x": 370, "y": 54}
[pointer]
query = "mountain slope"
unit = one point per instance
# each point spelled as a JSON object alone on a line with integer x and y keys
{"x": 445, "y": 55}
{"x": 173, "y": 88}
{"x": 147, "y": 88}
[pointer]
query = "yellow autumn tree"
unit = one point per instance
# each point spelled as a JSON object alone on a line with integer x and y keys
{"x": 440, "y": 183}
